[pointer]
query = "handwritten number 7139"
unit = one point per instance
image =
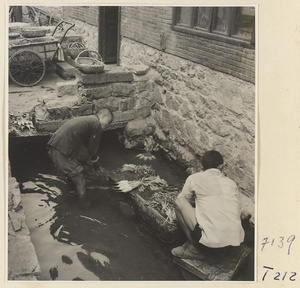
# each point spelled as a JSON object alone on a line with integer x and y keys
{"x": 279, "y": 242}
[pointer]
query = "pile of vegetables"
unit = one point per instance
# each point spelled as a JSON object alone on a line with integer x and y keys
{"x": 163, "y": 195}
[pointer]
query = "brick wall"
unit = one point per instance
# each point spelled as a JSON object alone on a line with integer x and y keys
{"x": 153, "y": 26}
{"x": 88, "y": 14}
{"x": 86, "y": 20}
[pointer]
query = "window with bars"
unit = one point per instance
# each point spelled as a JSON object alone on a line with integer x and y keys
{"x": 234, "y": 23}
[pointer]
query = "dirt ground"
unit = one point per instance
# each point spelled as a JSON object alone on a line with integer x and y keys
{"x": 21, "y": 100}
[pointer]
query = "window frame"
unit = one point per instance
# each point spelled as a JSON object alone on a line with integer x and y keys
{"x": 208, "y": 33}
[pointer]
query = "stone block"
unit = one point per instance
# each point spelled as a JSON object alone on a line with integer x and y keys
{"x": 67, "y": 88}
{"x": 56, "y": 113}
{"x": 15, "y": 201}
{"x": 48, "y": 126}
{"x": 65, "y": 70}
{"x": 24, "y": 278}
{"x": 123, "y": 89}
{"x": 138, "y": 69}
{"x": 10, "y": 229}
{"x": 16, "y": 220}
{"x": 22, "y": 258}
{"x": 111, "y": 74}
{"x": 123, "y": 116}
{"x": 127, "y": 104}
{"x": 220, "y": 267}
{"x": 171, "y": 102}
{"x": 82, "y": 110}
{"x": 97, "y": 91}
{"x": 137, "y": 128}
{"x": 112, "y": 103}
{"x": 142, "y": 112}
{"x": 144, "y": 86}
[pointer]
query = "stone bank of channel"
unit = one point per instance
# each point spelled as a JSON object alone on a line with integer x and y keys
{"x": 181, "y": 76}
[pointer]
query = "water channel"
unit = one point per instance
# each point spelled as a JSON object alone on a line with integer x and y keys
{"x": 106, "y": 241}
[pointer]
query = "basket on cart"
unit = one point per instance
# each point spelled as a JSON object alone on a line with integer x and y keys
{"x": 89, "y": 62}
{"x": 75, "y": 48}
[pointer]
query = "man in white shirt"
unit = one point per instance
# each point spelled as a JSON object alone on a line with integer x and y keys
{"x": 215, "y": 220}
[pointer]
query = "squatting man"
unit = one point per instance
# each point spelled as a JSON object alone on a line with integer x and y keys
{"x": 215, "y": 220}
{"x": 75, "y": 143}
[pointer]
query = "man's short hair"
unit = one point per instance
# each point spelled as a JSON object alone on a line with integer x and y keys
{"x": 106, "y": 113}
{"x": 211, "y": 159}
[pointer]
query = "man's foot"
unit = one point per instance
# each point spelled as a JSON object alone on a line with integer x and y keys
{"x": 187, "y": 252}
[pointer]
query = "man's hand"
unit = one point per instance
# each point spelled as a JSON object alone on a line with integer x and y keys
{"x": 96, "y": 164}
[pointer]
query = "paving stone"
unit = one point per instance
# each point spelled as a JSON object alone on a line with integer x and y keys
{"x": 10, "y": 229}
{"x": 16, "y": 220}
{"x": 220, "y": 267}
{"x": 22, "y": 260}
{"x": 29, "y": 277}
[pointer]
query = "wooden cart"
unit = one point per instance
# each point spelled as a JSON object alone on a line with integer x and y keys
{"x": 27, "y": 56}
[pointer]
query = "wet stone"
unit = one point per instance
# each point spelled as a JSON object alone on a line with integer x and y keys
{"x": 10, "y": 229}
{"x": 16, "y": 199}
{"x": 16, "y": 220}
{"x": 21, "y": 258}
{"x": 220, "y": 267}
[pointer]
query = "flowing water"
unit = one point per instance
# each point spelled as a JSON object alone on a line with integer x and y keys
{"x": 104, "y": 242}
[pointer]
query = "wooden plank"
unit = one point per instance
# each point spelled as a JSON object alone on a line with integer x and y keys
{"x": 219, "y": 267}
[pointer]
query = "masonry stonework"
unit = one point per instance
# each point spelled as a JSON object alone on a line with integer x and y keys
{"x": 86, "y": 23}
{"x": 197, "y": 109}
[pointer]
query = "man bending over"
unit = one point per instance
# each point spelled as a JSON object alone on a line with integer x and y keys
{"x": 75, "y": 143}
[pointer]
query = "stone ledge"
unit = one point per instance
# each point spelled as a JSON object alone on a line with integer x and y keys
{"x": 221, "y": 267}
{"x": 111, "y": 74}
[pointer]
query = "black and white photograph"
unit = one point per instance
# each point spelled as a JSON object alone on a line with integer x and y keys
{"x": 132, "y": 143}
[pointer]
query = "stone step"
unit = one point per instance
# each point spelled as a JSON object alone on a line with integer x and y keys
{"x": 220, "y": 267}
{"x": 65, "y": 70}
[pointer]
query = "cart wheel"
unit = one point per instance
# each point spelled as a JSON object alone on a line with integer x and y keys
{"x": 26, "y": 68}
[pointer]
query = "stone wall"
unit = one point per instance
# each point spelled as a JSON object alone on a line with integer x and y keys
{"x": 197, "y": 109}
{"x": 118, "y": 89}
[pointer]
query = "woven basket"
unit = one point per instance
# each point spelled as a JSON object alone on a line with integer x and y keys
{"x": 30, "y": 32}
{"x": 75, "y": 48}
{"x": 89, "y": 62}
